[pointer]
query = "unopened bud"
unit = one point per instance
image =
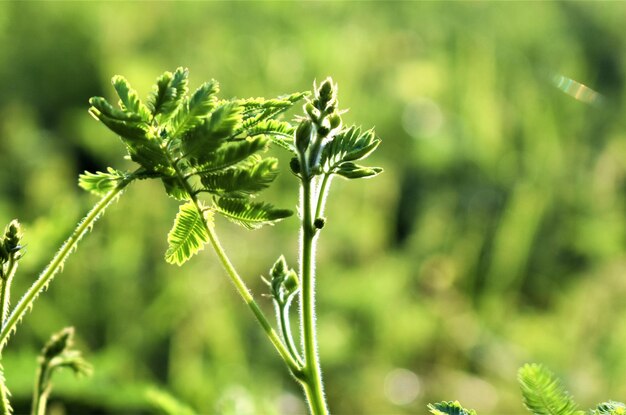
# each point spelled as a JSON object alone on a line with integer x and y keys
{"x": 291, "y": 282}
{"x": 303, "y": 135}
{"x": 334, "y": 121}
{"x": 58, "y": 343}
{"x": 326, "y": 90}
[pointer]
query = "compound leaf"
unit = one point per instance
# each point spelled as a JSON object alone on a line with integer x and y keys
{"x": 191, "y": 113}
{"x": 449, "y": 408}
{"x": 129, "y": 100}
{"x": 543, "y": 393}
{"x": 188, "y": 235}
{"x": 241, "y": 181}
{"x": 349, "y": 145}
{"x": 250, "y": 215}
{"x": 351, "y": 170}
{"x": 233, "y": 153}
{"x": 100, "y": 183}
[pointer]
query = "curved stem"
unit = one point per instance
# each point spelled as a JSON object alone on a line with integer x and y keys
{"x": 321, "y": 195}
{"x": 313, "y": 376}
{"x": 5, "y": 405}
{"x": 239, "y": 284}
{"x": 56, "y": 264}
{"x": 285, "y": 330}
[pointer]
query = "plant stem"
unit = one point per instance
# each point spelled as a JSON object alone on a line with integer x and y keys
{"x": 26, "y": 302}
{"x": 5, "y": 405}
{"x": 5, "y": 289}
{"x": 313, "y": 377}
{"x": 285, "y": 329}
{"x": 238, "y": 282}
{"x": 321, "y": 196}
{"x": 42, "y": 390}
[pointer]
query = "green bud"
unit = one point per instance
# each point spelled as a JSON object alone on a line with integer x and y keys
{"x": 4, "y": 254}
{"x": 291, "y": 282}
{"x": 335, "y": 121}
{"x": 12, "y": 236}
{"x": 323, "y": 131}
{"x": 58, "y": 343}
{"x": 303, "y": 135}
{"x": 310, "y": 109}
{"x": 279, "y": 269}
{"x": 326, "y": 90}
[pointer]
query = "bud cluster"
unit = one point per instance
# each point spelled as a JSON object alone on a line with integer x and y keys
{"x": 284, "y": 282}
{"x": 313, "y": 132}
{"x": 10, "y": 245}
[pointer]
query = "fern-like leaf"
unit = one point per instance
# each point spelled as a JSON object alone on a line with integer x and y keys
{"x": 249, "y": 215}
{"x": 609, "y": 408}
{"x": 191, "y": 113}
{"x": 232, "y": 153}
{"x": 100, "y": 183}
{"x": 243, "y": 181}
{"x": 543, "y": 393}
{"x": 188, "y": 235}
{"x": 449, "y": 408}
{"x": 351, "y": 170}
{"x": 349, "y": 145}
{"x": 129, "y": 100}
{"x": 200, "y": 142}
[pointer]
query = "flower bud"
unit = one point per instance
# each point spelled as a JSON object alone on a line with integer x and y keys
{"x": 319, "y": 223}
{"x": 334, "y": 121}
{"x": 58, "y": 343}
{"x": 303, "y": 135}
{"x": 294, "y": 164}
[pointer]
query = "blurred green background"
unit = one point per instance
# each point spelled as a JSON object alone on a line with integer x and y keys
{"x": 495, "y": 237}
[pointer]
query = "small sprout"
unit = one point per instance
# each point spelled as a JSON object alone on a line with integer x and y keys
{"x": 58, "y": 343}
{"x": 284, "y": 283}
{"x": 335, "y": 121}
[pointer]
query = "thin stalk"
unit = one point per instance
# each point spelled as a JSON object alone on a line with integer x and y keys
{"x": 321, "y": 196}
{"x": 313, "y": 376}
{"x": 41, "y": 391}
{"x": 5, "y": 288}
{"x": 239, "y": 284}
{"x": 56, "y": 264}
{"x": 5, "y": 405}
{"x": 285, "y": 329}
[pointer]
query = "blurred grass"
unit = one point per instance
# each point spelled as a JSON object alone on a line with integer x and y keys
{"x": 495, "y": 236}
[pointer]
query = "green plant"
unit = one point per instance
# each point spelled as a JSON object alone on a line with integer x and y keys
{"x": 201, "y": 146}
{"x": 542, "y": 394}
{"x": 209, "y": 155}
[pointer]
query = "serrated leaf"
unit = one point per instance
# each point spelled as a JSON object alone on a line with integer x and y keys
{"x": 250, "y": 215}
{"x": 100, "y": 183}
{"x": 191, "y": 113}
{"x": 232, "y": 153}
{"x": 609, "y": 408}
{"x": 351, "y": 170}
{"x": 188, "y": 235}
{"x": 129, "y": 100}
{"x": 241, "y": 181}
{"x": 543, "y": 393}
{"x": 449, "y": 408}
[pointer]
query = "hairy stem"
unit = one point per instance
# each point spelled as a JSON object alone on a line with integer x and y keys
{"x": 313, "y": 376}
{"x": 285, "y": 330}
{"x": 238, "y": 282}
{"x": 5, "y": 288}
{"x": 26, "y": 302}
{"x": 5, "y": 405}
{"x": 321, "y": 196}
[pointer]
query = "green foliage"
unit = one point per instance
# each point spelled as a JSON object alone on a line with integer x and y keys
{"x": 167, "y": 404}
{"x": 543, "y": 393}
{"x": 189, "y": 233}
{"x": 449, "y": 408}
{"x": 196, "y": 145}
{"x": 100, "y": 183}
{"x": 249, "y": 215}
